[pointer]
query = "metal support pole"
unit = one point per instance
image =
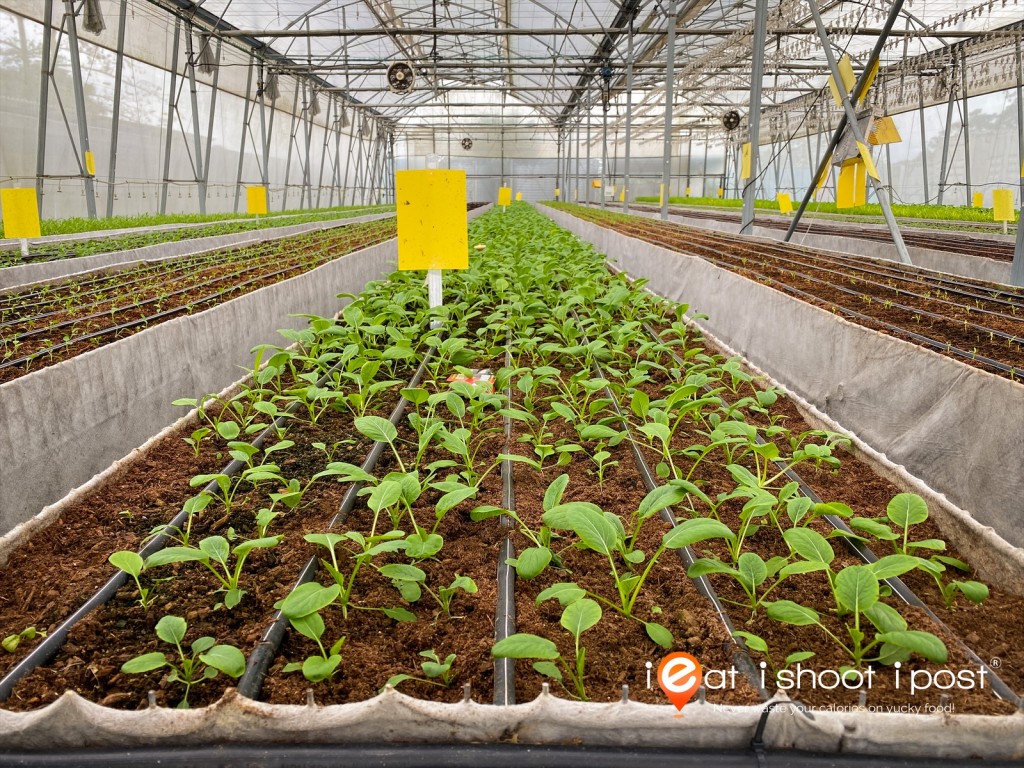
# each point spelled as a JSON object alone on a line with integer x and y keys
{"x": 604, "y": 155}
{"x": 629, "y": 117}
{"x": 264, "y": 138}
{"x": 83, "y": 127}
{"x": 323, "y": 153}
{"x": 858, "y": 91}
{"x": 967, "y": 125}
{"x": 576, "y": 185}
{"x": 587, "y": 174}
{"x": 291, "y": 141}
{"x": 209, "y": 125}
{"x": 172, "y": 105}
{"x": 558, "y": 165}
{"x": 306, "y": 194}
{"x": 115, "y": 116}
{"x": 851, "y": 116}
{"x": 924, "y": 137}
{"x": 336, "y": 162}
{"x": 670, "y": 58}
{"x": 1017, "y": 268}
{"x": 246, "y": 118}
{"x": 1020, "y": 131}
{"x": 943, "y": 169}
{"x": 44, "y": 95}
{"x": 190, "y": 66}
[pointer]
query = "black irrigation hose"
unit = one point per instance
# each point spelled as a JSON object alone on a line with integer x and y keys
{"x": 865, "y": 553}
{"x": 250, "y": 684}
{"x": 145, "y": 321}
{"x": 741, "y": 659}
{"x": 52, "y": 643}
{"x": 505, "y": 612}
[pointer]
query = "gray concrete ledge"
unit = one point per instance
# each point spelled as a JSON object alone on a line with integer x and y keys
{"x": 958, "y": 429}
{"x": 976, "y": 267}
{"x": 62, "y": 424}
{"x": 15, "y": 278}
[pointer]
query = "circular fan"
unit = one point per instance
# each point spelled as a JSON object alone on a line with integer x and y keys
{"x": 401, "y": 77}
{"x": 731, "y": 120}
{"x": 467, "y": 143}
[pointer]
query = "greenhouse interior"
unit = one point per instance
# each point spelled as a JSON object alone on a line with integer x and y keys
{"x": 680, "y": 343}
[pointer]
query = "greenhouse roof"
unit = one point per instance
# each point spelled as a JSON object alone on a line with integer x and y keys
{"x": 545, "y": 63}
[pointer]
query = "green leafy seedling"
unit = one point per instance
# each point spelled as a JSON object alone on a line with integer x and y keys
{"x": 133, "y": 564}
{"x": 436, "y": 672}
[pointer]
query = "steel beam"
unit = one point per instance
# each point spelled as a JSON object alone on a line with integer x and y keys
{"x": 44, "y": 96}
{"x": 666, "y": 150}
{"x": 754, "y": 116}
{"x": 966, "y": 121}
{"x": 247, "y": 111}
{"x": 88, "y": 180}
{"x": 115, "y": 117}
{"x": 943, "y": 169}
{"x": 190, "y": 67}
{"x": 924, "y": 137}
{"x": 209, "y": 125}
{"x": 172, "y": 106}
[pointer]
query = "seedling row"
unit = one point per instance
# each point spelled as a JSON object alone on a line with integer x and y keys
{"x": 986, "y": 334}
{"x": 399, "y": 587}
{"x": 43, "y": 326}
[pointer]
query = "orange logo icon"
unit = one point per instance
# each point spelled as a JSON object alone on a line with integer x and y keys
{"x": 679, "y": 675}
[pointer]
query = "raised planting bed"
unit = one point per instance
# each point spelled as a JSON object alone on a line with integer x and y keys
{"x": 554, "y": 501}
{"x": 950, "y": 423}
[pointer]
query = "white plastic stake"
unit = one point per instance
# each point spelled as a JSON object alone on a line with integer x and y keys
{"x": 434, "y": 292}
{"x": 24, "y": 244}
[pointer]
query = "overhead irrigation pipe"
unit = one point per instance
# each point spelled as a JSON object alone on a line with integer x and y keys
{"x": 858, "y": 90}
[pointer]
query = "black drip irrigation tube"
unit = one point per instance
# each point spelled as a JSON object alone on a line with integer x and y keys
{"x": 867, "y": 555}
{"x": 741, "y": 659}
{"x": 146, "y": 321}
{"x": 54, "y": 641}
{"x": 505, "y": 610}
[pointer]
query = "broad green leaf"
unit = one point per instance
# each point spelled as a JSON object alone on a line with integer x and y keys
{"x": 660, "y": 498}
{"x": 203, "y": 644}
{"x": 553, "y": 494}
{"x": 894, "y": 565}
{"x": 316, "y": 669}
{"x": 548, "y": 669}
{"x": 175, "y": 555}
{"x": 485, "y": 512}
{"x": 857, "y": 587}
{"x": 689, "y": 532}
{"x": 385, "y": 495}
{"x": 873, "y": 527}
{"x": 654, "y": 430}
{"x": 328, "y": 540}
{"x": 395, "y": 680}
{"x": 311, "y": 625}
{"x": 307, "y": 598}
{"x": 532, "y": 561}
{"x": 594, "y": 530}
{"x": 523, "y": 645}
{"x": 798, "y": 656}
{"x": 802, "y": 566}
{"x": 144, "y": 663}
{"x": 128, "y": 561}
{"x": 376, "y": 428}
{"x": 400, "y": 614}
{"x": 743, "y": 476}
{"x": 228, "y": 430}
{"x": 704, "y": 566}
{"x": 907, "y": 509}
{"x": 598, "y": 432}
{"x": 563, "y": 516}
{"x": 789, "y": 612}
{"x": 885, "y": 618}
{"x": 809, "y": 544}
{"x": 659, "y": 634}
{"x": 752, "y": 569}
{"x": 974, "y": 591}
{"x": 225, "y": 658}
{"x": 453, "y": 498}
{"x": 565, "y": 592}
{"x": 171, "y": 629}
{"x": 923, "y": 644}
{"x": 936, "y": 544}
{"x": 216, "y": 547}
{"x": 580, "y": 616}
{"x": 752, "y": 641}
{"x": 403, "y": 572}
{"x": 419, "y": 547}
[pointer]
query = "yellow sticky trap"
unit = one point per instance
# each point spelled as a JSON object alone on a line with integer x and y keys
{"x": 595, "y": 183}
{"x": 869, "y": 164}
{"x": 256, "y": 199}
{"x": 721, "y": 191}
{"x": 519, "y": 197}
{"x": 1002, "y": 205}
{"x": 687, "y": 191}
{"x": 785, "y": 202}
{"x": 661, "y": 194}
{"x": 846, "y": 73}
{"x": 20, "y": 212}
{"x": 745, "y": 162}
{"x": 884, "y": 131}
{"x": 978, "y": 200}
{"x": 869, "y": 83}
{"x": 504, "y": 195}
{"x": 821, "y": 179}
{"x": 850, "y": 190}
{"x": 431, "y": 215}
{"x": 835, "y": 91}
{"x": 558, "y": 193}
{"x": 90, "y": 163}
{"x": 622, "y": 195}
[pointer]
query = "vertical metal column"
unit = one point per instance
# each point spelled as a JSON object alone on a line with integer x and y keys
{"x": 246, "y": 118}
{"x": 568, "y": 159}
{"x": 264, "y": 137}
{"x": 670, "y": 76}
{"x": 209, "y": 125}
{"x": 924, "y": 138}
{"x": 323, "y": 153}
{"x": 604, "y": 154}
{"x": 967, "y": 124}
{"x": 576, "y": 184}
{"x": 943, "y": 170}
{"x": 558, "y": 162}
{"x": 115, "y": 116}
{"x": 689, "y": 160}
{"x": 306, "y": 193}
{"x": 291, "y": 141}
{"x": 754, "y": 119}
{"x": 83, "y": 128}
{"x": 44, "y": 95}
{"x": 629, "y": 115}
{"x": 1020, "y": 128}
{"x": 190, "y": 67}
{"x": 172, "y": 105}
{"x": 587, "y": 174}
